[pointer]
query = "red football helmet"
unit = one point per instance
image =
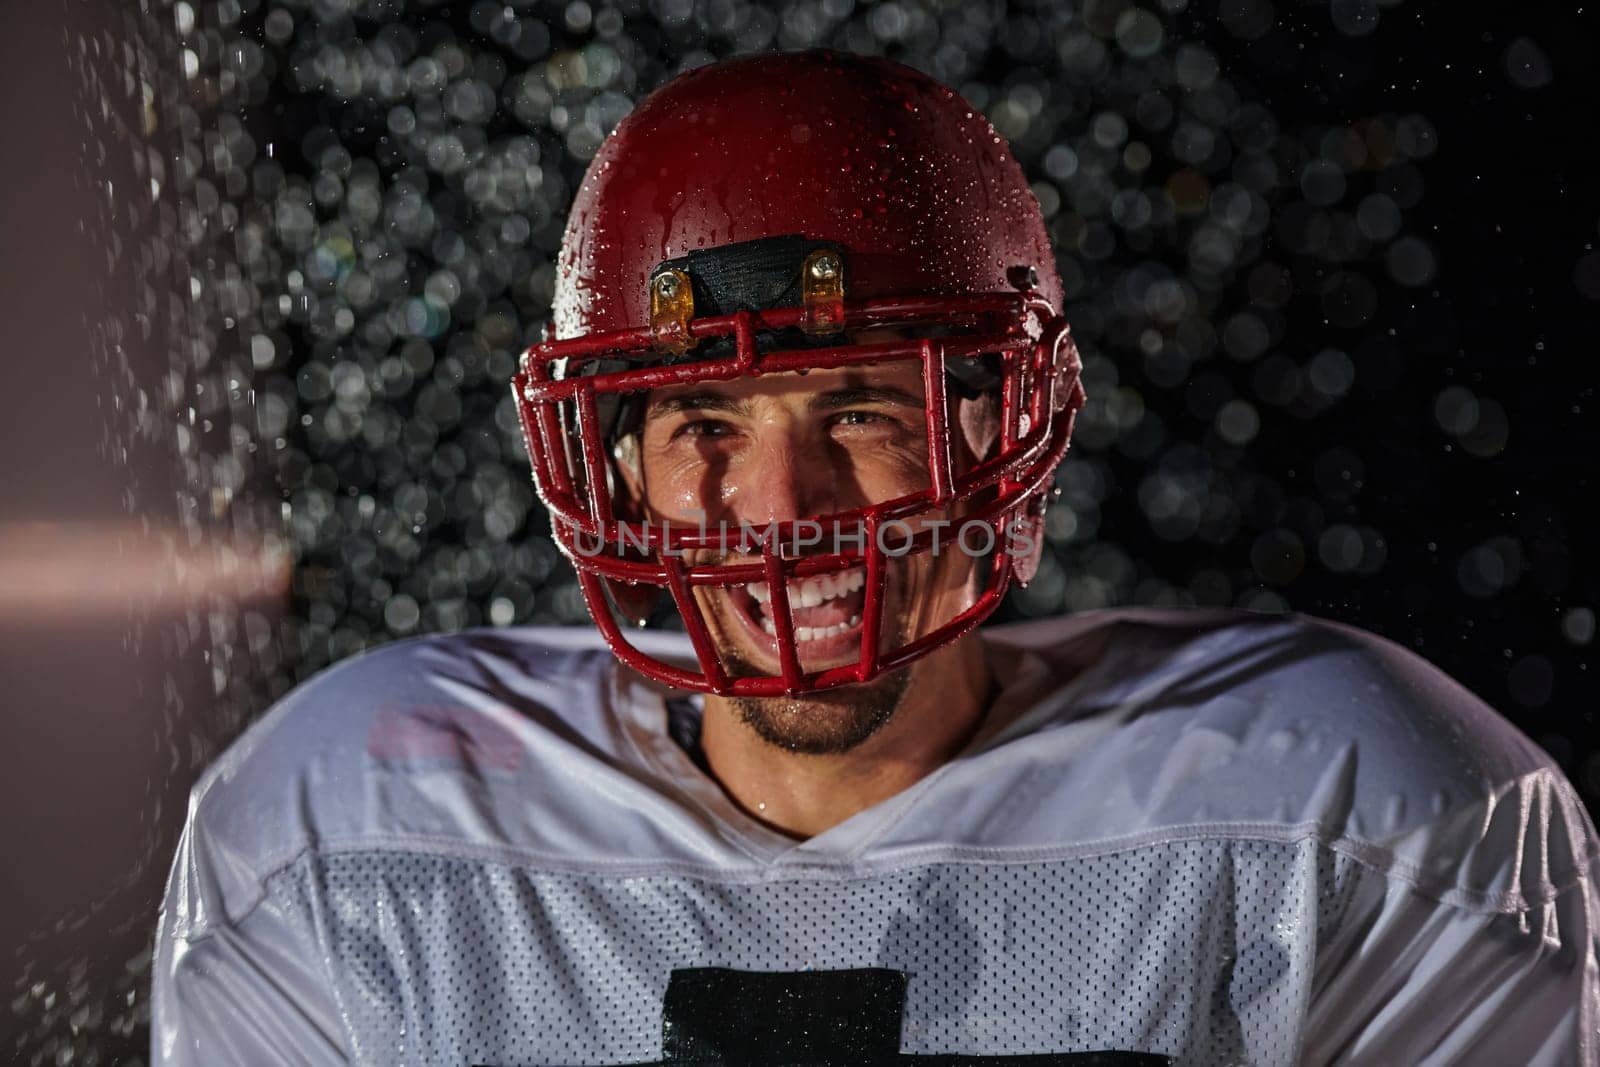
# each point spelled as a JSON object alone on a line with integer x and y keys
{"x": 756, "y": 217}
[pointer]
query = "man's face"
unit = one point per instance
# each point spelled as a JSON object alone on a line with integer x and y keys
{"x": 792, "y": 446}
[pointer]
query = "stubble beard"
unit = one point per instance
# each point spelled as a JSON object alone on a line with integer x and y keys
{"x": 831, "y": 722}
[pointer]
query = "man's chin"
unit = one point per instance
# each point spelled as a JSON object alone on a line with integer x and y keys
{"x": 827, "y": 722}
{"x": 831, "y": 722}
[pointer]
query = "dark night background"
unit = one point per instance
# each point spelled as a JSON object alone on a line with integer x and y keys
{"x": 1334, "y": 272}
{"x": 1512, "y": 211}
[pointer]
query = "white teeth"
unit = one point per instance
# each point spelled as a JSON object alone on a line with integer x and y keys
{"x": 803, "y": 634}
{"x": 808, "y": 594}
{"x": 813, "y": 591}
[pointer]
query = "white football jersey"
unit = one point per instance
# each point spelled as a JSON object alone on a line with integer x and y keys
{"x": 1227, "y": 839}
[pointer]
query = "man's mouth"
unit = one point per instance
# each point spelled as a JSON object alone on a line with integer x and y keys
{"x": 825, "y": 610}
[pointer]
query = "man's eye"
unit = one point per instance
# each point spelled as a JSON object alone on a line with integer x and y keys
{"x": 703, "y": 428}
{"x": 861, "y": 418}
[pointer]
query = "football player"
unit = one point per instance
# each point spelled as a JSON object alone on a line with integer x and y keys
{"x": 806, "y": 392}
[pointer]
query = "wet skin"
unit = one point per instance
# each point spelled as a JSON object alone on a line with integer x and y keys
{"x": 782, "y": 447}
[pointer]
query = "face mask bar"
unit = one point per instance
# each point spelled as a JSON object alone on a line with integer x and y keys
{"x": 560, "y": 420}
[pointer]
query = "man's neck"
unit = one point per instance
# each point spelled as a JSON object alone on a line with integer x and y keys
{"x": 803, "y": 794}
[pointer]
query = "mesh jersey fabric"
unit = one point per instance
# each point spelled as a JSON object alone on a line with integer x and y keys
{"x": 1223, "y": 838}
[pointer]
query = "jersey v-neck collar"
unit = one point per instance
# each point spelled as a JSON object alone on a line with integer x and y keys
{"x": 1030, "y": 689}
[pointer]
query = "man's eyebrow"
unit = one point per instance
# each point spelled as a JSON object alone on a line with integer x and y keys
{"x": 852, "y": 396}
{"x": 832, "y": 400}
{"x": 672, "y": 405}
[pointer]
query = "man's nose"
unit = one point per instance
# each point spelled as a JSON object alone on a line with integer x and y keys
{"x": 787, "y": 477}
